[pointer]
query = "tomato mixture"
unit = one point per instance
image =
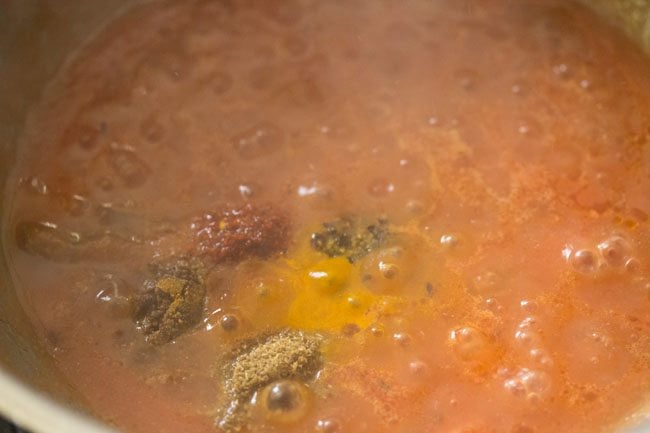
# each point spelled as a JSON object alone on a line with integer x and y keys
{"x": 344, "y": 216}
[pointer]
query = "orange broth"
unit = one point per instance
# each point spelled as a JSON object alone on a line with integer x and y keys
{"x": 506, "y": 143}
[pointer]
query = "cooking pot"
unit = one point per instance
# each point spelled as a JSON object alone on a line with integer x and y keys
{"x": 35, "y": 38}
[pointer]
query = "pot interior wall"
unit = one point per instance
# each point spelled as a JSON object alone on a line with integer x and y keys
{"x": 633, "y": 16}
{"x": 36, "y": 36}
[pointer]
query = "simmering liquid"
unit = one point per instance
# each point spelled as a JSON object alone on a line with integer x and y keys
{"x": 344, "y": 216}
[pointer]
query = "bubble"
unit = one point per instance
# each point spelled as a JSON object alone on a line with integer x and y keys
{"x": 433, "y": 121}
{"x": 633, "y": 265}
{"x": 377, "y": 330}
{"x": 380, "y": 187}
{"x": 485, "y": 281}
{"x": 448, "y": 240}
{"x": 105, "y": 184}
{"x": 600, "y": 338}
{"x": 418, "y": 368}
{"x": 36, "y": 185}
{"x": 388, "y": 269}
{"x": 353, "y": 301}
{"x": 229, "y": 322}
{"x": 313, "y": 189}
{"x": 585, "y": 261}
{"x": 259, "y": 141}
{"x": 350, "y": 329}
{"x": 493, "y": 305}
{"x": 76, "y": 205}
{"x": 328, "y": 425}
{"x": 43, "y": 239}
{"x": 561, "y": 70}
{"x": 129, "y": 167}
{"x": 112, "y": 294}
{"x": 414, "y": 206}
{"x": 530, "y": 384}
{"x": 106, "y": 214}
{"x": 525, "y": 334}
{"x": 614, "y": 251}
{"x": 585, "y": 84}
{"x": 467, "y": 78}
{"x": 402, "y": 338}
{"x": 262, "y": 290}
{"x": 523, "y": 129}
{"x": 527, "y": 322}
{"x": 471, "y": 344}
{"x": 109, "y": 288}
{"x": 540, "y": 356}
{"x": 527, "y": 305}
{"x": 284, "y": 401}
{"x": 516, "y": 89}
{"x": 209, "y": 321}
{"x": 246, "y": 191}
{"x": 74, "y": 237}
